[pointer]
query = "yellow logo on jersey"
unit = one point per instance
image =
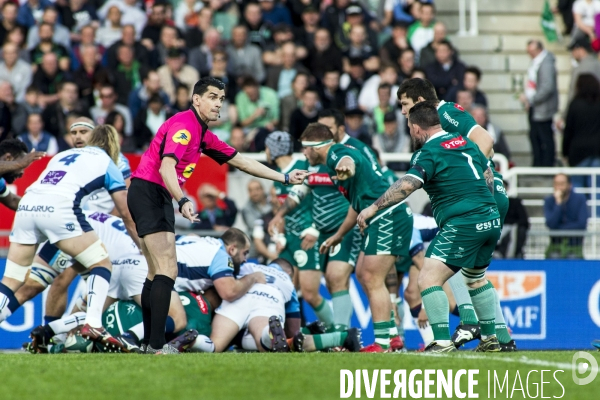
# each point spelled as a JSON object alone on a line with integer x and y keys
{"x": 182, "y": 137}
{"x": 187, "y": 172}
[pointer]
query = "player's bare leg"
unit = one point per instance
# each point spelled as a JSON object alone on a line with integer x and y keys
{"x": 310, "y": 281}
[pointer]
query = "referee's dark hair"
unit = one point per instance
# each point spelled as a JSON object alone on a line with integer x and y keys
{"x": 334, "y": 113}
{"x": 416, "y": 87}
{"x": 316, "y": 132}
{"x": 424, "y": 114}
{"x": 203, "y": 84}
{"x": 236, "y": 237}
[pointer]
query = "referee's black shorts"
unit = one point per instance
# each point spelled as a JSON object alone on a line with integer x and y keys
{"x": 151, "y": 207}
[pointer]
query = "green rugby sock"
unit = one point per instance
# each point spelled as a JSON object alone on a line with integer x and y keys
{"x": 400, "y": 310}
{"x": 463, "y": 300}
{"x": 393, "y": 328}
{"x": 484, "y": 301}
{"x": 382, "y": 334}
{"x": 436, "y": 305}
{"x": 342, "y": 309}
{"x": 501, "y": 329}
{"x": 328, "y": 340}
{"x": 324, "y": 314}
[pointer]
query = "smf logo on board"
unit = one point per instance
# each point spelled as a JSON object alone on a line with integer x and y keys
{"x": 523, "y": 299}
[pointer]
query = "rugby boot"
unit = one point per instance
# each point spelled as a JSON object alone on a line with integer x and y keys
{"x": 353, "y": 341}
{"x": 296, "y": 343}
{"x": 40, "y": 339}
{"x": 167, "y": 349}
{"x": 508, "y": 347}
{"x": 277, "y": 335}
{"x": 489, "y": 345}
{"x": 102, "y": 336}
{"x": 434, "y": 347}
{"x": 185, "y": 340}
{"x": 316, "y": 328}
{"x": 129, "y": 343}
{"x": 396, "y": 344}
{"x": 465, "y": 333}
{"x": 373, "y": 348}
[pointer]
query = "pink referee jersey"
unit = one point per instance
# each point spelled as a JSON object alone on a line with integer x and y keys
{"x": 184, "y": 137}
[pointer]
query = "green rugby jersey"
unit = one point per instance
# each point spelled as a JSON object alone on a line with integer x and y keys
{"x": 367, "y": 184}
{"x": 452, "y": 171}
{"x": 329, "y": 206}
{"x": 300, "y": 217}
{"x": 389, "y": 175}
{"x": 364, "y": 149}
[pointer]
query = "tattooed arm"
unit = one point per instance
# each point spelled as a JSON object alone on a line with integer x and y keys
{"x": 397, "y": 193}
{"x": 489, "y": 179}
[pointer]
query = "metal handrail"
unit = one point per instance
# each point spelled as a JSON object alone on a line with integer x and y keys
{"x": 462, "y": 18}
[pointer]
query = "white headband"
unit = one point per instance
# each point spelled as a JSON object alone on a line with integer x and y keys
{"x": 82, "y": 125}
{"x": 317, "y": 144}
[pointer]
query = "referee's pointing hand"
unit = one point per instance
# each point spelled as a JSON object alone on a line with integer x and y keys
{"x": 187, "y": 210}
{"x": 298, "y": 176}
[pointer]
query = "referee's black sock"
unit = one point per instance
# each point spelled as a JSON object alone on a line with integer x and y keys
{"x": 160, "y": 299}
{"x": 146, "y": 310}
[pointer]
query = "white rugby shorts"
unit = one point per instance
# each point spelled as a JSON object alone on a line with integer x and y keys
{"x": 260, "y": 301}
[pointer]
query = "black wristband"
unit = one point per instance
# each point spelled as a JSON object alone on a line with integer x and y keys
{"x": 286, "y": 179}
{"x": 182, "y": 201}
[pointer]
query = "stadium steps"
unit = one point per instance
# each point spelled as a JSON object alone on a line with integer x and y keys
{"x": 504, "y": 28}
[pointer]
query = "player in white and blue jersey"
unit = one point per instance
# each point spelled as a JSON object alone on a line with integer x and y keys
{"x": 51, "y": 209}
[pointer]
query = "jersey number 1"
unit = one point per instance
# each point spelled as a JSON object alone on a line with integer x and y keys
{"x": 470, "y": 161}
{"x": 70, "y": 159}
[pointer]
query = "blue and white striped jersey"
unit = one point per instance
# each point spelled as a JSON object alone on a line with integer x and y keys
{"x": 100, "y": 199}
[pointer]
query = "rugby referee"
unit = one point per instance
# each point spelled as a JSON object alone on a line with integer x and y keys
{"x": 165, "y": 166}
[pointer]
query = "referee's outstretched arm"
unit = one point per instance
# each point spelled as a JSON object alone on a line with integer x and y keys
{"x": 255, "y": 168}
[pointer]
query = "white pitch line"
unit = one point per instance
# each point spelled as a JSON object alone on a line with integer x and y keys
{"x": 521, "y": 360}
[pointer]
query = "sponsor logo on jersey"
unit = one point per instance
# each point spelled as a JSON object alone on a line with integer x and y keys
{"x": 343, "y": 191}
{"x": 451, "y": 120}
{"x": 100, "y": 217}
{"x": 416, "y": 157}
{"x": 301, "y": 258}
{"x": 187, "y": 172}
{"x": 201, "y": 303}
{"x": 523, "y": 301}
{"x": 454, "y": 143}
{"x": 320, "y": 178}
{"x": 459, "y": 107}
{"x": 263, "y": 294}
{"x": 281, "y": 197}
{"x": 53, "y": 177}
{"x": 126, "y": 261}
{"x": 70, "y": 226}
{"x": 29, "y": 208}
{"x": 182, "y": 137}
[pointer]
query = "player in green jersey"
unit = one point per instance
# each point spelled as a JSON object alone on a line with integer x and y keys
{"x": 388, "y": 235}
{"x": 300, "y": 241}
{"x": 459, "y": 183}
{"x": 454, "y": 119}
{"x": 329, "y": 208}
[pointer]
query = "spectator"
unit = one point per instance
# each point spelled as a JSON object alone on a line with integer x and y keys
{"x": 219, "y": 70}
{"x": 9, "y": 20}
{"x": 212, "y": 216}
{"x": 60, "y": 34}
{"x": 541, "y": 101}
{"x": 128, "y": 38}
{"x": 117, "y": 120}
{"x": 368, "y": 99}
{"x": 244, "y": 59}
{"x": 108, "y": 103}
{"x": 237, "y": 139}
{"x": 470, "y": 83}
{"x": 76, "y": 14}
{"x": 194, "y": 35}
{"x": 565, "y": 8}
{"x": 280, "y": 78}
{"x": 330, "y": 94}
{"x": 186, "y": 15}
{"x": 305, "y": 35}
{"x": 169, "y": 39}
{"x": 292, "y": 101}
{"x": 131, "y": 14}
{"x": 182, "y": 101}
{"x": 393, "y": 139}
{"x": 274, "y": 13}
{"x": 176, "y": 71}
{"x": 282, "y": 34}
{"x": 464, "y": 98}
{"x": 17, "y": 112}
{"x": 111, "y": 31}
{"x": 406, "y": 64}
{"x": 36, "y": 138}
{"x": 14, "y": 70}
{"x": 356, "y": 127}
{"x": 5, "y": 117}
{"x": 352, "y": 82}
{"x": 128, "y": 74}
{"x": 587, "y": 63}
{"x": 584, "y": 14}
{"x": 46, "y": 46}
{"x": 257, "y": 205}
{"x": 304, "y": 115}
{"x": 257, "y": 106}
{"x": 334, "y": 16}
{"x": 565, "y": 210}
{"x": 427, "y": 56}
{"x": 355, "y": 16}
{"x": 17, "y": 37}
{"x": 138, "y": 98}
{"x": 259, "y": 31}
{"x": 384, "y": 106}
{"x": 395, "y": 45}
{"x": 514, "y": 231}
{"x": 323, "y": 55}
{"x": 480, "y": 114}
{"x": 87, "y": 74}
{"x": 201, "y": 58}
{"x": 87, "y": 38}
{"x": 47, "y": 78}
{"x": 359, "y": 48}
{"x": 445, "y": 72}
{"x": 30, "y": 12}
{"x": 156, "y": 21}
{"x": 225, "y": 16}
{"x": 148, "y": 120}
{"x": 420, "y": 32}
{"x": 264, "y": 245}
{"x": 32, "y": 97}
{"x": 418, "y": 73}
{"x": 55, "y": 115}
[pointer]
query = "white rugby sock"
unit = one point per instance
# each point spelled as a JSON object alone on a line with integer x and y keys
{"x": 4, "y": 311}
{"x": 97, "y": 285}
{"x": 248, "y": 342}
{"x": 138, "y": 330}
{"x": 203, "y": 344}
{"x": 265, "y": 338}
{"x": 67, "y": 323}
{"x": 426, "y": 333}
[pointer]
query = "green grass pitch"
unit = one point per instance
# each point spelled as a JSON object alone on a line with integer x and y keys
{"x": 247, "y": 376}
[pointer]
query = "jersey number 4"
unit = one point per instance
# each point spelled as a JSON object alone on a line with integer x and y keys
{"x": 70, "y": 159}
{"x": 470, "y": 161}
